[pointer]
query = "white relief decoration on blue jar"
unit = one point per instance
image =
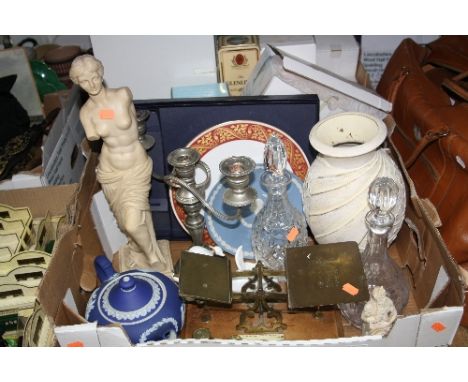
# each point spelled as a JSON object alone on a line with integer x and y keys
{"x": 144, "y": 336}
{"x": 91, "y": 304}
{"x": 152, "y": 307}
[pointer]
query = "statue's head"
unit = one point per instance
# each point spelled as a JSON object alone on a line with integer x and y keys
{"x": 378, "y": 293}
{"x": 87, "y": 72}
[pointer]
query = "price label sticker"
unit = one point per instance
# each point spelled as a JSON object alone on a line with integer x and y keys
{"x": 438, "y": 326}
{"x": 350, "y": 289}
{"x": 293, "y": 234}
{"x": 106, "y": 114}
{"x": 76, "y": 344}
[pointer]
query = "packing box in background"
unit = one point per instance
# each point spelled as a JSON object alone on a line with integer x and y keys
{"x": 377, "y": 50}
{"x": 62, "y": 159}
{"x": 279, "y": 72}
{"x": 52, "y": 201}
{"x": 151, "y": 65}
{"x": 431, "y": 317}
{"x": 302, "y": 47}
{"x": 338, "y": 54}
{"x": 236, "y": 58}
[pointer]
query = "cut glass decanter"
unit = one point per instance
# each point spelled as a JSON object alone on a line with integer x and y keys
{"x": 278, "y": 225}
{"x": 379, "y": 267}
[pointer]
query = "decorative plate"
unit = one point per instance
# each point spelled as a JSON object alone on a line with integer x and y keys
{"x": 240, "y": 138}
{"x": 230, "y": 235}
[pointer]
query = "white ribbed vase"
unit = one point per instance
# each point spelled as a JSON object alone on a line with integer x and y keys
{"x": 336, "y": 187}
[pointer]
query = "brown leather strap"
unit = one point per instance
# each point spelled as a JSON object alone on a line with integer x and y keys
{"x": 396, "y": 83}
{"x": 430, "y": 136}
{"x": 449, "y": 52}
{"x": 457, "y": 85}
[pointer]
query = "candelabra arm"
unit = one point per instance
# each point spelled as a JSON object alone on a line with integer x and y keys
{"x": 175, "y": 182}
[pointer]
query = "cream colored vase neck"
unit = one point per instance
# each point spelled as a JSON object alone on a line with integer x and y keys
{"x": 337, "y": 184}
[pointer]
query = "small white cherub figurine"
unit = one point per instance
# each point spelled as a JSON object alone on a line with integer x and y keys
{"x": 124, "y": 169}
{"x": 378, "y": 314}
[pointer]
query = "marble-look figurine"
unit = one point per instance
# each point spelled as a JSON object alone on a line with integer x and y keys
{"x": 379, "y": 313}
{"x": 124, "y": 169}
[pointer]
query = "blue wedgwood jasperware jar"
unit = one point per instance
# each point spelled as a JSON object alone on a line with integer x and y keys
{"x": 146, "y": 304}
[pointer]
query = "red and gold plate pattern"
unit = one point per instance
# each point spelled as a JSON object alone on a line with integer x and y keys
{"x": 239, "y": 138}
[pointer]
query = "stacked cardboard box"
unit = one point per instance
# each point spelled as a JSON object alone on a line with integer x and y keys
{"x": 431, "y": 317}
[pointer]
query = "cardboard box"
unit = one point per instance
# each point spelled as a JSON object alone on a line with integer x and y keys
{"x": 110, "y": 235}
{"x": 431, "y": 317}
{"x": 302, "y": 47}
{"x": 152, "y": 65}
{"x": 53, "y": 200}
{"x": 377, "y": 50}
{"x": 338, "y": 54}
{"x": 280, "y": 73}
{"x": 62, "y": 160}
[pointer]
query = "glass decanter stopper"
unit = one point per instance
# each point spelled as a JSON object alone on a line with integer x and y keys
{"x": 278, "y": 225}
{"x": 379, "y": 267}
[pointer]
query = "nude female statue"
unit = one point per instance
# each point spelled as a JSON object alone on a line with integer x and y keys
{"x": 124, "y": 169}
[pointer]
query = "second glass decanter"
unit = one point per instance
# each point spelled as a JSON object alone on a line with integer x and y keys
{"x": 379, "y": 267}
{"x": 278, "y": 225}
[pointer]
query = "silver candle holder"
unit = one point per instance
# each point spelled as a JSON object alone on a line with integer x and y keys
{"x": 237, "y": 171}
{"x": 191, "y": 195}
{"x": 146, "y": 140}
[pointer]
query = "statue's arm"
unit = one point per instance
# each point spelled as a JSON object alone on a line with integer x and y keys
{"x": 88, "y": 125}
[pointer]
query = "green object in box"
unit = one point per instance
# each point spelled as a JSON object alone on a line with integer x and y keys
{"x": 11, "y": 342}
{"x": 46, "y": 79}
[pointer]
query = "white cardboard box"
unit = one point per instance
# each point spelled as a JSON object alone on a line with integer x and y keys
{"x": 377, "y": 50}
{"x": 426, "y": 324}
{"x": 338, "y": 54}
{"x": 151, "y": 65}
{"x": 302, "y": 47}
{"x": 110, "y": 235}
{"x": 278, "y": 73}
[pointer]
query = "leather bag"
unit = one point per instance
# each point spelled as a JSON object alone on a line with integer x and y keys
{"x": 432, "y": 131}
{"x": 427, "y": 87}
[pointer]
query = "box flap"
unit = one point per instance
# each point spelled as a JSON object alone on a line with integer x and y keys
{"x": 61, "y": 157}
{"x": 112, "y": 336}
{"x": 77, "y": 335}
{"x": 55, "y": 283}
{"x": 438, "y": 327}
{"x": 336, "y": 93}
{"x": 426, "y": 253}
{"x": 334, "y": 81}
{"x": 21, "y": 180}
{"x": 336, "y": 43}
{"x": 110, "y": 236}
{"x": 53, "y": 199}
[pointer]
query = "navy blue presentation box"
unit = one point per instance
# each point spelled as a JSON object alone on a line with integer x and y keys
{"x": 175, "y": 122}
